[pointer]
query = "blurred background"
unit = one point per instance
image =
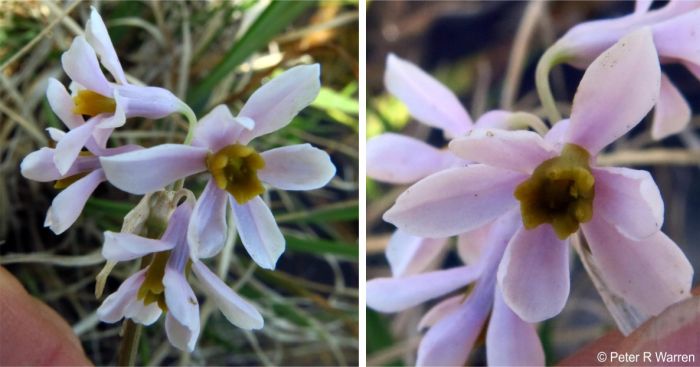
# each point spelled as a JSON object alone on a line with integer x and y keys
{"x": 207, "y": 53}
{"x": 468, "y": 46}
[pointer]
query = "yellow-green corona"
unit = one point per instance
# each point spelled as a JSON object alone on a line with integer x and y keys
{"x": 559, "y": 192}
{"x": 234, "y": 169}
{"x": 89, "y": 103}
{"x": 152, "y": 289}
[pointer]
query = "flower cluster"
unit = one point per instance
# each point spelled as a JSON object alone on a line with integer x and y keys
{"x": 517, "y": 199}
{"x": 172, "y": 239}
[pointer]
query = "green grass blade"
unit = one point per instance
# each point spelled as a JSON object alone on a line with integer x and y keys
{"x": 277, "y": 16}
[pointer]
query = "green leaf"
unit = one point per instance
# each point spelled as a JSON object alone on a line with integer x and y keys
{"x": 322, "y": 247}
{"x": 277, "y": 16}
{"x": 328, "y": 99}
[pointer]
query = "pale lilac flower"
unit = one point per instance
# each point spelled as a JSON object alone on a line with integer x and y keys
{"x": 78, "y": 182}
{"x": 107, "y": 104}
{"x": 221, "y": 147}
{"x": 400, "y": 159}
{"x": 676, "y": 32}
{"x": 457, "y": 321}
{"x": 163, "y": 286}
{"x": 558, "y": 184}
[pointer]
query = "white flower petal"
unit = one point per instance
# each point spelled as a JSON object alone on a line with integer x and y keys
{"x": 397, "y": 158}
{"x": 511, "y": 341}
{"x": 219, "y": 128}
{"x": 70, "y": 145}
{"x": 97, "y": 36}
{"x": 237, "y": 310}
{"x": 630, "y": 199}
{"x": 274, "y": 104}
{"x": 671, "y": 113}
{"x": 69, "y": 203}
{"x": 455, "y": 201}
{"x": 147, "y": 170}
{"x": 112, "y": 308}
{"x": 514, "y": 150}
{"x": 440, "y": 311}
{"x": 617, "y": 90}
{"x": 206, "y": 232}
{"x": 651, "y": 274}
{"x": 148, "y": 102}
{"x": 677, "y": 38}
{"x": 428, "y": 100}
{"x": 397, "y": 294}
{"x": 128, "y": 246}
{"x": 259, "y": 232}
{"x": 183, "y": 307}
{"x": 409, "y": 254}
{"x": 297, "y": 167}
{"x": 80, "y": 63}
{"x": 62, "y": 104}
{"x": 534, "y": 273}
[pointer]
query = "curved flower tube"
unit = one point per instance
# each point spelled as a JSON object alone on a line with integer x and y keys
{"x": 560, "y": 189}
{"x": 221, "y": 147}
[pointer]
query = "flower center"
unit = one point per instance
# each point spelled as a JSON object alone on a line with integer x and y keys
{"x": 559, "y": 192}
{"x": 90, "y": 103}
{"x": 234, "y": 169}
{"x": 152, "y": 289}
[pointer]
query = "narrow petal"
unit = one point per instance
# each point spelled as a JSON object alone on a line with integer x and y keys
{"x": 511, "y": 341}
{"x": 62, "y": 104}
{"x": 534, "y": 274}
{"x": 183, "y": 307}
{"x": 97, "y": 36}
{"x": 147, "y": 170}
{"x": 470, "y": 245}
{"x": 401, "y": 159}
{"x": 181, "y": 336}
{"x": 650, "y": 274}
{"x": 427, "y": 99}
{"x": 148, "y": 102}
{"x": 555, "y": 136}
{"x": 672, "y": 113}
{"x": 128, "y": 246}
{"x": 514, "y": 150}
{"x": 297, "y": 167}
{"x": 455, "y": 201}
{"x": 450, "y": 340}
{"x": 67, "y": 205}
{"x": 274, "y": 104}
{"x": 409, "y": 254}
{"x": 80, "y": 63}
{"x": 397, "y": 294}
{"x": 39, "y": 166}
{"x": 113, "y": 307}
{"x": 440, "y": 311}
{"x": 219, "y": 129}
{"x": 237, "y": 310}
{"x": 630, "y": 199}
{"x": 207, "y": 228}
{"x": 677, "y": 38}
{"x": 71, "y": 144}
{"x": 495, "y": 119}
{"x": 142, "y": 314}
{"x": 616, "y": 92}
{"x": 259, "y": 232}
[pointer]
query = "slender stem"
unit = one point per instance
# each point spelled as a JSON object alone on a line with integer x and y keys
{"x": 129, "y": 344}
{"x": 550, "y": 58}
